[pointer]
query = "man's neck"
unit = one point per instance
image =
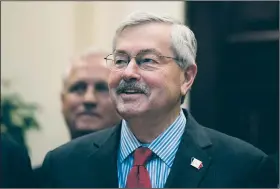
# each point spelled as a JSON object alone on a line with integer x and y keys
{"x": 146, "y": 128}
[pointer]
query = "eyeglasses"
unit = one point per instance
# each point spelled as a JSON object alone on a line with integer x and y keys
{"x": 145, "y": 60}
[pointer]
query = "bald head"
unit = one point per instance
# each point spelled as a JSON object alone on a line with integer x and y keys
{"x": 90, "y": 67}
{"x": 91, "y": 57}
{"x": 86, "y": 104}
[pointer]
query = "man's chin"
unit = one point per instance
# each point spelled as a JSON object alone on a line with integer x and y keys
{"x": 129, "y": 112}
{"x": 79, "y": 133}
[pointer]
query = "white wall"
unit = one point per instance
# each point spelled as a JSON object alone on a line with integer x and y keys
{"x": 116, "y": 11}
{"x": 37, "y": 38}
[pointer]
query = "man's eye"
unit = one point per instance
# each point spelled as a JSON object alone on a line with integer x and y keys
{"x": 120, "y": 62}
{"x": 146, "y": 60}
{"x": 149, "y": 58}
{"x": 101, "y": 87}
{"x": 79, "y": 88}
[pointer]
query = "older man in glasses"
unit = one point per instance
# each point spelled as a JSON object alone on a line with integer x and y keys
{"x": 157, "y": 144}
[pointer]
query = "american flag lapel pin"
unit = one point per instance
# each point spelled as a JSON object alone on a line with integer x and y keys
{"x": 196, "y": 163}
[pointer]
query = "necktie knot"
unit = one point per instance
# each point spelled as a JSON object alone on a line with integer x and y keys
{"x": 141, "y": 156}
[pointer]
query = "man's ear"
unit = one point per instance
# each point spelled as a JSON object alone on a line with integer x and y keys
{"x": 188, "y": 78}
{"x": 63, "y": 91}
{"x": 62, "y": 100}
{"x": 62, "y": 96}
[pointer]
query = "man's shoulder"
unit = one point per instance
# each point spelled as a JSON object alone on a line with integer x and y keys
{"x": 239, "y": 159}
{"x": 12, "y": 148}
{"x": 84, "y": 144}
{"x": 221, "y": 143}
{"x": 232, "y": 145}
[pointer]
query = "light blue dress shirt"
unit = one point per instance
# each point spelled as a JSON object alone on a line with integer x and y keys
{"x": 164, "y": 146}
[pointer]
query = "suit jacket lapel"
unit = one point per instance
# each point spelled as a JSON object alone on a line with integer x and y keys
{"x": 103, "y": 162}
{"x": 193, "y": 144}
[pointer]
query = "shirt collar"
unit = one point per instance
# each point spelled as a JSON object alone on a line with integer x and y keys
{"x": 164, "y": 146}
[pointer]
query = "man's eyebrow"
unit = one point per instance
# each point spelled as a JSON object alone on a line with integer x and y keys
{"x": 75, "y": 83}
{"x": 101, "y": 82}
{"x": 150, "y": 50}
{"x": 120, "y": 51}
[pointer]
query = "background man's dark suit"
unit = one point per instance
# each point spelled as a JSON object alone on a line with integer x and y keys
{"x": 16, "y": 171}
{"x": 91, "y": 161}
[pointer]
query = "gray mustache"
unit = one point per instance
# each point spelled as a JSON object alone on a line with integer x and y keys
{"x": 132, "y": 85}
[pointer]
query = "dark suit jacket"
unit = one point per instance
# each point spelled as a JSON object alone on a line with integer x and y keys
{"x": 91, "y": 161}
{"x": 16, "y": 171}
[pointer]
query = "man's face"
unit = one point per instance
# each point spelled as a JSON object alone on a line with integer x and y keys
{"x": 86, "y": 104}
{"x": 163, "y": 86}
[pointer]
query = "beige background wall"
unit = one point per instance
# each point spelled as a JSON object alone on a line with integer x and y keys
{"x": 37, "y": 38}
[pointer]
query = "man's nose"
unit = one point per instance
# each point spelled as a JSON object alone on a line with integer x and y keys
{"x": 131, "y": 72}
{"x": 90, "y": 99}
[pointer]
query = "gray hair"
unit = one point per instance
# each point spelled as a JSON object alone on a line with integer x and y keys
{"x": 183, "y": 41}
{"x": 84, "y": 55}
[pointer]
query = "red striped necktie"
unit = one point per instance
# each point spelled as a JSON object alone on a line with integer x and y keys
{"x": 138, "y": 176}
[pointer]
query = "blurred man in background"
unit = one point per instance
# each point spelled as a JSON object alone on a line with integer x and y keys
{"x": 85, "y": 101}
{"x": 86, "y": 104}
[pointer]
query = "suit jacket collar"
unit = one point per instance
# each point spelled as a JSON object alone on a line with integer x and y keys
{"x": 193, "y": 145}
{"x": 103, "y": 161}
